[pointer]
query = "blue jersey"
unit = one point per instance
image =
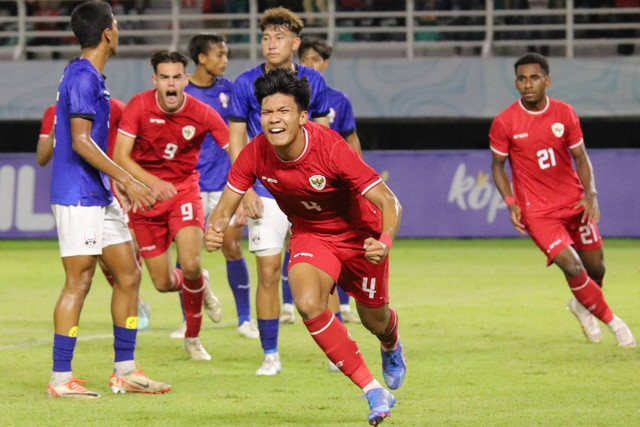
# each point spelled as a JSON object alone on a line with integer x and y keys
{"x": 244, "y": 105}
{"x": 82, "y": 94}
{"x": 341, "y": 113}
{"x": 214, "y": 162}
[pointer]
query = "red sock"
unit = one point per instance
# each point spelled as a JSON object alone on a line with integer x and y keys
{"x": 332, "y": 337}
{"x": 192, "y": 295}
{"x": 389, "y": 338}
{"x": 589, "y": 294}
{"x": 178, "y": 280}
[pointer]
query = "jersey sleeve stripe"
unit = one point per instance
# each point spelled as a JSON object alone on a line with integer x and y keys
{"x": 237, "y": 119}
{"x": 370, "y": 186}
{"x": 577, "y": 144}
{"x": 90, "y": 117}
{"x": 499, "y": 152}
{"x": 234, "y": 189}
{"x": 127, "y": 133}
{"x": 225, "y": 146}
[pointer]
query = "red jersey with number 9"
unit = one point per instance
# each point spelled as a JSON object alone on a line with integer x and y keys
{"x": 168, "y": 144}
{"x": 538, "y": 144}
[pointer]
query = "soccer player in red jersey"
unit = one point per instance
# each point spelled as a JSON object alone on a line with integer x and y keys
{"x": 159, "y": 142}
{"x": 343, "y": 220}
{"x": 555, "y": 204}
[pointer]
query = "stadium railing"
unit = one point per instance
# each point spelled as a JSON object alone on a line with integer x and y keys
{"x": 567, "y": 31}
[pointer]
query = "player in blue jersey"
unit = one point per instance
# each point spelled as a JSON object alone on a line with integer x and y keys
{"x": 209, "y": 52}
{"x": 89, "y": 222}
{"x": 268, "y": 226}
{"x": 315, "y": 53}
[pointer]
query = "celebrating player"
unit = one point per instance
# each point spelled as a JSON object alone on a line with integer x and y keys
{"x": 207, "y": 84}
{"x": 159, "y": 142}
{"x": 555, "y": 205}
{"x": 89, "y": 222}
{"x": 268, "y": 226}
{"x": 343, "y": 221}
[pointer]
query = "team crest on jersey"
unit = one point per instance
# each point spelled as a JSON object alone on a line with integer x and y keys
{"x": 224, "y": 99}
{"x": 332, "y": 115}
{"x": 318, "y": 182}
{"x": 557, "y": 129}
{"x": 188, "y": 132}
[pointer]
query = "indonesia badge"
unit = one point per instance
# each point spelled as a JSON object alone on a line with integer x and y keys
{"x": 188, "y": 132}
{"x": 318, "y": 182}
{"x": 557, "y": 129}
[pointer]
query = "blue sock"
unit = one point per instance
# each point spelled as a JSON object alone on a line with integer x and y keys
{"x": 269, "y": 334}
{"x": 339, "y": 316}
{"x": 63, "y": 352}
{"x": 344, "y": 298}
{"x": 238, "y": 277}
{"x": 286, "y": 291}
{"x": 124, "y": 343}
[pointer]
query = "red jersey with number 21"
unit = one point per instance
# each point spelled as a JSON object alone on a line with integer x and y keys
{"x": 538, "y": 144}
{"x": 321, "y": 192}
{"x": 168, "y": 144}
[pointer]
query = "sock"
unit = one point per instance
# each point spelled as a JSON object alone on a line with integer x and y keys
{"x": 269, "y": 334}
{"x": 238, "y": 277}
{"x": 333, "y": 339}
{"x": 192, "y": 296}
{"x": 63, "y": 347}
{"x": 344, "y": 298}
{"x": 389, "y": 338}
{"x": 339, "y": 316}
{"x": 124, "y": 341}
{"x": 287, "y": 298}
{"x": 589, "y": 294}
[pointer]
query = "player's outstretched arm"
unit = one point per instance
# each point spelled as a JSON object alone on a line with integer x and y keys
{"x": 354, "y": 142}
{"x": 220, "y": 218}
{"x": 384, "y": 199}
{"x": 585, "y": 172}
{"x": 502, "y": 183}
{"x": 141, "y": 196}
{"x": 238, "y": 138}
{"x": 122, "y": 156}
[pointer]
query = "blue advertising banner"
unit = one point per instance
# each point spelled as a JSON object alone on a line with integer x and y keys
{"x": 443, "y": 194}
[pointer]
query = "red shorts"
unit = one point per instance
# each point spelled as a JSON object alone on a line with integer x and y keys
{"x": 156, "y": 228}
{"x": 562, "y": 228}
{"x": 344, "y": 261}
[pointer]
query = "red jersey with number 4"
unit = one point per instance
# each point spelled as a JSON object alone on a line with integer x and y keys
{"x": 321, "y": 192}
{"x": 168, "y": 144}
{"x": 538, "y": 144}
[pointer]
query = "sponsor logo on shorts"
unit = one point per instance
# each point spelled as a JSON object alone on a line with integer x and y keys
{"x": 520, "y": 135}
{"x": 188, "y": 132}
{"x": 557, "y": 129}
{"x": 553, "y": 245}
{"x": 90, "y": 239}
{"x": 147, "y": 248}
{"x": 318, "y": 182}
{"x": 158, "y": 121}
{"x": 303, "y": 254}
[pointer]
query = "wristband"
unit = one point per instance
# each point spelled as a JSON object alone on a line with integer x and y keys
{"x": 386, "y": 239}
{"x": 509, "y": 200}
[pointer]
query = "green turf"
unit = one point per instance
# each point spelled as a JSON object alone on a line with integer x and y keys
{"x": 484, "y": 324}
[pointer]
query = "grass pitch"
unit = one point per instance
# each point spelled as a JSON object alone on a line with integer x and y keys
{"x": 483, "y": 322}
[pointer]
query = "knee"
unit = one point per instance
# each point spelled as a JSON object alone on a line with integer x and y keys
{"x": 597, "y": 273}
{"x": 191, "y": 268}
{"x": 232, "y": 250}
{"x": 308, "y": 307}
{"x": 130, "y": 279}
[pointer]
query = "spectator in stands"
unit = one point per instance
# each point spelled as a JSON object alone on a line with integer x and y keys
{"x": 354, "y": 6}
{"x": 48, "y": 9}
{"x": 627, "y": 48}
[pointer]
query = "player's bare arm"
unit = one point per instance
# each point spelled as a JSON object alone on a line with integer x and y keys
{"x": 384, "y": 199}
{"x": 44, "y": 150}
{"x": 502, "y": 183}
{"x": 251, "y": 205}
{"x": 122, "y": 155}
{"x": 585, "y": 172}
{"x": 220, "y": 218}
{"x": 140, "y": 195}
{"x": 354, "y": 142}
{"x": 324, "y": 120}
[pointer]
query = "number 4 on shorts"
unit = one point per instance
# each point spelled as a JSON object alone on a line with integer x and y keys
{"x": 371, "y": 290}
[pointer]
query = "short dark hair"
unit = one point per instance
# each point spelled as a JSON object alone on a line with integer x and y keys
{"x": 532, "y": 58}
{"x": 286, "y": 82}
{"x": 282, "y": 17}
{"x": 202, "y": 43}
{"x": 164, "y": 56}
{"x": 316, "y": 43}
{"x": 89, "y": 20}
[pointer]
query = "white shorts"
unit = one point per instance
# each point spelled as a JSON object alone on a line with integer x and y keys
{"x": 267, "y": 234}
{"x": 210, "y": 200}
{"x": 86, "y": 230}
